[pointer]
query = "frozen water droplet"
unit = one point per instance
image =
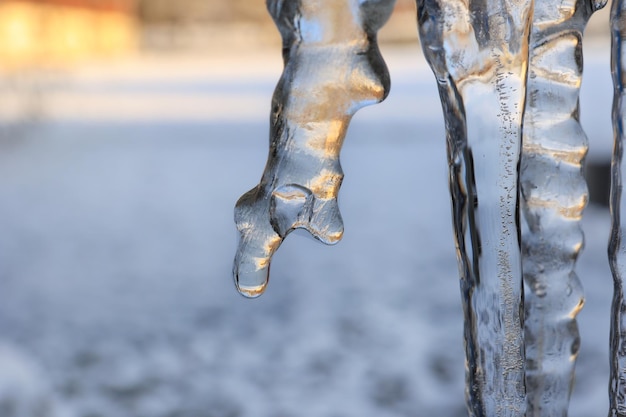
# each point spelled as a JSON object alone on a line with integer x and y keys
{"x": 252, "y": 284}
{"x": 251, "y": 273}
{"x": 291, "y": 207}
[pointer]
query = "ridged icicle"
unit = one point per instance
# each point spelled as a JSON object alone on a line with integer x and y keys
{"x": 554, "y": 194}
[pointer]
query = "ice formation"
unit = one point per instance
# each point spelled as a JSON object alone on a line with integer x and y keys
{"x": 553, "y": 196}
{"x": 478, "y": 52}
{"x": 509, "y": 75}
{"x": 332, "y": 68}
{"x": 617, "y": 244}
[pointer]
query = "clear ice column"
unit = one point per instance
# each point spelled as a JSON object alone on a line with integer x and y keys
{"x": 554, "y": 194}
{"x": 478, "y": 50}
{"x": 332, "y": 68}
{"x": 617, "y": 243}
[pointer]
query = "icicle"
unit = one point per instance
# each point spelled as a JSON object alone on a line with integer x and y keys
{"x": 332, "y": 68}
{"x": 478, "y": 51}
{"x": 554, "y": 194}
{"x": 617, "y": 243}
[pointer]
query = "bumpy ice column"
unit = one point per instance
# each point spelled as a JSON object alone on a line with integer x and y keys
{"x": 478, "y": 52}
{"x": 332, "y": 68}
{"x": 554, "y": 194}
{"x": 617, "y": 242}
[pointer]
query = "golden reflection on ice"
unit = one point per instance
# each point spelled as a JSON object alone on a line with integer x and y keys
{"x": 332, "y": 69}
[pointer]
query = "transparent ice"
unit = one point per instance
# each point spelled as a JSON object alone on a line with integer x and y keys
{"x": 553, "y": 196}
{"x": 478, "y": 52}
{"x": 509, "y": 75}
{"x": 617, "y": 245}
{"x": 332, "y": 68}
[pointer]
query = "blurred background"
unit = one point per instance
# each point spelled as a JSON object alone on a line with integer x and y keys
{"x": 129, "y": 128}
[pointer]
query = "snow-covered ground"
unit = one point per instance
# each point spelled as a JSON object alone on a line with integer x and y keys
{"x": 116, "y": 243}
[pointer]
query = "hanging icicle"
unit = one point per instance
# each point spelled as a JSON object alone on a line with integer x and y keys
{"x": 478, "y": 51}
{"x": 332, "y": 68}
{"x": 617, "y": 242}
{"x": 554, "y": 194}
{"x": 481, "y": 53}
